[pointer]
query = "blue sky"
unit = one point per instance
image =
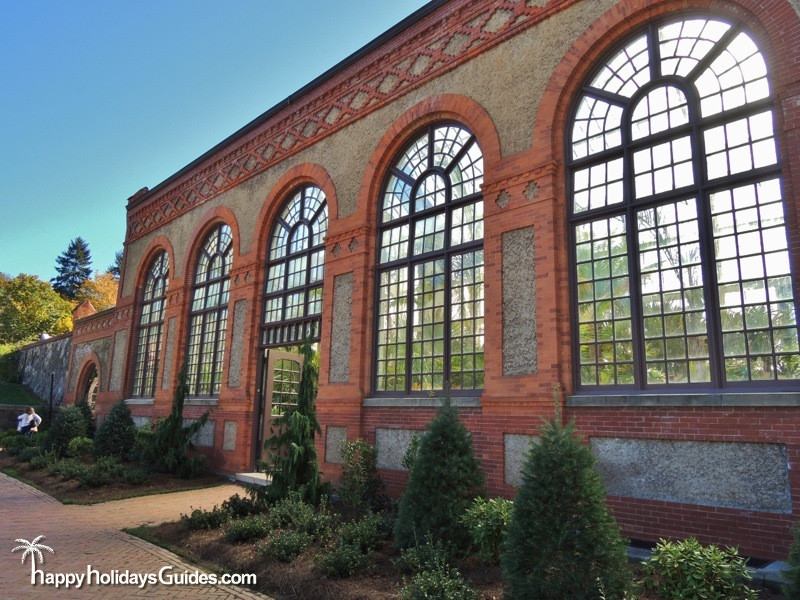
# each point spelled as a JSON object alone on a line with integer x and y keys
{"x": 99, "y": 98}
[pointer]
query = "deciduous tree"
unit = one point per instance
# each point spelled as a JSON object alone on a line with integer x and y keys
{"x": 29, "y": 307}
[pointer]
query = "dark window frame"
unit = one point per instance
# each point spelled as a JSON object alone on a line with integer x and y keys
{"x": 700, "y": 190}
{"x": 144, "y": 368}
{"x": 410, "y": 260}
{"x": 219, "y": 309}
{"x": 310, "y": 325}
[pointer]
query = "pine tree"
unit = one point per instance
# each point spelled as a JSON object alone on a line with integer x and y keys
{"x": 562, "y": 541}
{"x": 293, "y": 465}
{"x": 117, "y": 434}
{"x": 73, "y": 267}
{"x": 791, "y": 576}
{"x": 444, "y": 480}
{"x": 115, "y": 268}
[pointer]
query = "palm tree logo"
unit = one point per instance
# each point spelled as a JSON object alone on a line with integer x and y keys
{"x": 32, "y": 549}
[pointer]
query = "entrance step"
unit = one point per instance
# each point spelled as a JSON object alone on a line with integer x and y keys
{"x": 254, "y": 478}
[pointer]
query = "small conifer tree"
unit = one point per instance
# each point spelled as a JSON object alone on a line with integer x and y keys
{"x": 167, "y": 449}
{"x": 444, "y": 480}
{"x": 117, "y": 434}
{"x": 293, "y": 465}
{"x": 562, "y": 541}
{"x": 791, "y": 576}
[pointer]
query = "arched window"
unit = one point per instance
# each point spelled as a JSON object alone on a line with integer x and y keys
{"x": 293, "y": 300}
{"x": 151, "y": 321}
{"x": 209, "y": 312}
{"x": 430, "y": 328}
{"x": 681, "y": 269}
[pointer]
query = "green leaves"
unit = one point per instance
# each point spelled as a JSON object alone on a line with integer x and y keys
{"x": 29, "y": 307}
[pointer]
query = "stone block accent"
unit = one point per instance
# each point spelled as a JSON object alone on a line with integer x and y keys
{"x": 229, "y": 436}
{"x": 237, "y": 343}
{"x": 724, "y": 474}
{"x": 391, "y": 446}
{"x": 341, "y": 328}
{"x": 141, "y": 421}
{"x": 118, "y": 360}
{"x": 334, "y": 436}
{"x": 515, "y": 448}
{"x": 204, "y": 438}
{"x": 169, "y": 355}
{"x": 519, "y": 303}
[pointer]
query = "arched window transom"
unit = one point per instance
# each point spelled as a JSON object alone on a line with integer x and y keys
{"x": 293, "y": 294}
{"x": 151, "y": 321}
{"x": 681, "y": 270}
{"x": 208, "y": 318}
{"x": 430, "y": 317}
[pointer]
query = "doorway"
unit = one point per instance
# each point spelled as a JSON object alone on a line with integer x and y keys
{"x": 281, "y": 371}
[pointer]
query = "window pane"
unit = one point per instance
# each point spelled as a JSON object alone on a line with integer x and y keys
{"x": 598, "y": 186}
{"x": 466, "y": 324}
{"x": 392, "y": 321}
{"x": 427, "y": 331}
{"x": 756, "y": 298}
{"x": 604, "y": 307}
{"x": 671, "y": 278}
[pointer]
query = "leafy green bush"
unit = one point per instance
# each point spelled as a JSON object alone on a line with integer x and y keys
{"x": 80, "y": 447}
{"x": 104, "y": 471}
{"x": 291, "y": 513}
{"x": 429, "y": 556}
{"x": 562, "y": 542}
{"x": 487, "y": 522}
{"x": 341, "y": 560}
{"x": 360, "y": 487}
{"x": 443, "y": 482}
{"x": 136, "y": 475}
{"x": 364, "y": 533}
{"x": 791, "y": 576}
{"x": 247, "y": 528}
{"x": 167, "y": 448}
{"x": 687, "y": 570}
{"x": 29, "y": 452}
{"x": 16, "y": 443}
{"x": 443, "y": 583}
{"x": 68, "y": 424}
{"x": 286, "y": 545}
{"x": 39, "y": 462}
{"x": 88, "y": 415}
{"x": 206, "y": 519}
{"x": 117, "y": 434}
{"x": 68, "y": 468}
{"x": 237, "y": 506}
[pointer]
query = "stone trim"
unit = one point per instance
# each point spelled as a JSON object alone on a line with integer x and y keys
{"x": 139, "y": 401}
{"x": 689, "y": 399}
{"x": 196, "y": 401}
{"x": 380, "y": 402}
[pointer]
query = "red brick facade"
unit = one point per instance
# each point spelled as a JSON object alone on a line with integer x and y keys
{"x": 523, "y": 188}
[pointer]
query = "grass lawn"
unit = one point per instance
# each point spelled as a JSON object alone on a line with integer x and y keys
{"x": 13, "y": 393}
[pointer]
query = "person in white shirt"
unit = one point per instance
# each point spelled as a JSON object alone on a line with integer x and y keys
{"x": 28, "y": 422}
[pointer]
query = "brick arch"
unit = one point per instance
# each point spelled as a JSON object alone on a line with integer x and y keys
{"x": 210, "y": 219}
{"x": 768, "y": 22}
{"x": 83, "y": 373}
{"x": 158, "y": 244}
{"x": 443, "y": 107}
{"x": 303, "y": 174}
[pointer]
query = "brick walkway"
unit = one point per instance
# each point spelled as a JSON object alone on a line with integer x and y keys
{"x": 82, "y": 535}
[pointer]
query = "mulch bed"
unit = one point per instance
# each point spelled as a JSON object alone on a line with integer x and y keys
{"x": 71, "y": 492}
{"x": 300, "y": 580}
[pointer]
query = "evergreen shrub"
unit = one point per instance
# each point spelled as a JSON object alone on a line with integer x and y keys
{"x": 562, "y": 541}
{"x": 444, "y": 480}
{"x": 117, "y": 434}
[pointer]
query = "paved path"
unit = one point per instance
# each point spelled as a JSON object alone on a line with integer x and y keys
{"x": 82, "y": 535}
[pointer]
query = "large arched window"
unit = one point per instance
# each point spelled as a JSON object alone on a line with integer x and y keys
{"x": 681, "y": 269}
{"x": 430, "y": 328}
{"x": 209, "y": 312}
{"x": 293, "y": 294}
{"x": 151, "y": 321}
